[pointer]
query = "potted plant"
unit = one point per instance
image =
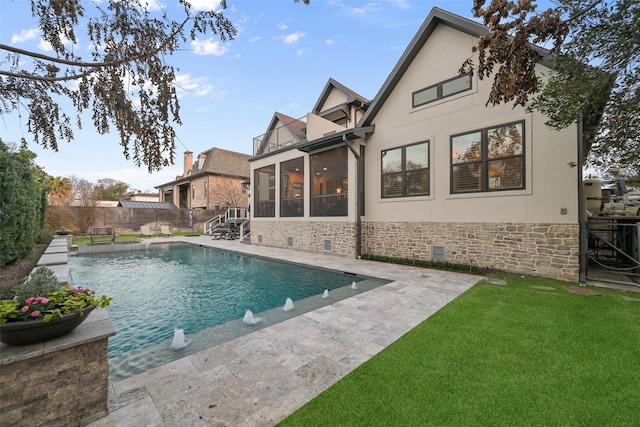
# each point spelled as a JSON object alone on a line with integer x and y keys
{"x": 43, "y": 309}
{"x": 63, "y": 231}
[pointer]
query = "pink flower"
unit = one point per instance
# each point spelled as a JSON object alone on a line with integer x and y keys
{"x": 29, "y": 300}
{"x": 44, "y": 300}
{"x": 25, "y": 309}
{"x": 35, "y": 314}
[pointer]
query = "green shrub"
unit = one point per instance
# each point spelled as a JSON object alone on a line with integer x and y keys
{"x": 438, "y": 265}
{"x": 20, "y": 206}
{"x": 40, "y": 282}
{"x": 44, "y": 236}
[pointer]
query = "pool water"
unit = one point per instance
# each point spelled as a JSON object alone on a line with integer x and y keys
{"x": 190, "y": 287}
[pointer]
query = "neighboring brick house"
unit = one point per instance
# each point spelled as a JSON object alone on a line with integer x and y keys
{"x": 423, "y": 171}
{"x": 213, "y": 181}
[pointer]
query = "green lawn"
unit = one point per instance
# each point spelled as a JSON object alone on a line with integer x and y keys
{"x": 125, "y": 237}
{"x": 500, "y": 356}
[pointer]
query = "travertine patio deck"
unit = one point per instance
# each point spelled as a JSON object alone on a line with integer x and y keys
{"x": 260, "y": 378}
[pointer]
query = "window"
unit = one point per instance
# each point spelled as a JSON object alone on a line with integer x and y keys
{"x": 291, "y": 187}
{"x": 265, "y": 191}
{"x": 489, "y": 159}
{"x": 405, "y": 171}
{"x": 193, "y": 191}
{"x": 441, "y": 90}
{"x": 329, "y": 186}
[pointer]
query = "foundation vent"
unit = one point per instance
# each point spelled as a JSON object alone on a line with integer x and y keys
{"x": 259, "y": 238}
{"x": 327, "y": 245}
{"x": 289, "y": 241}
{"x": 438, "y": 253}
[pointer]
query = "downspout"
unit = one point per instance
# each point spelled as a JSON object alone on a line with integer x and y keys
{"x": 358, "y": 190}
{"x": 582, "y": 211}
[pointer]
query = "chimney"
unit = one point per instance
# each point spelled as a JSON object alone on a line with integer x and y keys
{"x": 188, "y": 162}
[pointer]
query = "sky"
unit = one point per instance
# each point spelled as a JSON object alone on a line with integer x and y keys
{"x": 281, "y": 59}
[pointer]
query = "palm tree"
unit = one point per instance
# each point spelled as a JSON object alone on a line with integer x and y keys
{"x": 60, "y": 191}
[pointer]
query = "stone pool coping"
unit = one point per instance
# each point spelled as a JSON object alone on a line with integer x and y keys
{"x": 262, "y": 377}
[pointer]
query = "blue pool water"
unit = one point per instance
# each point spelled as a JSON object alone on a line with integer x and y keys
{"x": 192, "y": 288}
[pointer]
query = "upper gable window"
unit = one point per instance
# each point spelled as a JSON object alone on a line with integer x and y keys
{"x": 441, "y": 90}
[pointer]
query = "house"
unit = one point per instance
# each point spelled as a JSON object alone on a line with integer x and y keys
{"x": 143, "y": 197}
{"x": 213, "y": 181}
{"x": 423, "y": 171}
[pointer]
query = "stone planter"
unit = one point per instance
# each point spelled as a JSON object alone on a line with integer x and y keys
{"x": 35, "y": 331}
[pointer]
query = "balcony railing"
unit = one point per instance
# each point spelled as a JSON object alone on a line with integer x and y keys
{"x": 292, "y": 207}
{"x": 265, "y": 209}
{"x": 330, "y": 205}
{"x": 280, "y": 137}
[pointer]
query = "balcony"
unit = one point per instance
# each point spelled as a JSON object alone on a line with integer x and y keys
{"x": 280, "y": 137}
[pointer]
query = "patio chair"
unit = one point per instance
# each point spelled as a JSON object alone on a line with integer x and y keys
{"x": 145, "y": 230}
{"x": 165, "y": 231}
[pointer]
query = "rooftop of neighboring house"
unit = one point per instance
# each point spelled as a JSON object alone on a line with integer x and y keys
{"x": 215, "y": 161}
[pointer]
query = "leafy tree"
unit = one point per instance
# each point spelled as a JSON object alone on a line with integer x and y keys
{"x": 110, "y": 189}
{"x": 595, "y": 45}
{"x": 127, "y": 81}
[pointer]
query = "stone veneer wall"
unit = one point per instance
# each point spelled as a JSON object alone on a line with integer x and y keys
{"x": 62, "y": 388}
{"x": 548, "y": 250}
{"x": 61, "y": 382}
{"x": 307, "y": 235}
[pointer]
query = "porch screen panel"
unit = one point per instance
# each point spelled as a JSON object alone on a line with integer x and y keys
{"x": 330, "y": 184}
{"x": 265, "y": 191}
{"x": 291, "y": 188}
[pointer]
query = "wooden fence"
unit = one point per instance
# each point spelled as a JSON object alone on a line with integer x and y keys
{"x": 129, "y": 220}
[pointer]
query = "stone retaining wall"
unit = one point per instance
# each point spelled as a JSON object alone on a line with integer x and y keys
{"x": 61, "y": 382}
{"x": 548, "y": 250}
{"x": 334, "y": 237}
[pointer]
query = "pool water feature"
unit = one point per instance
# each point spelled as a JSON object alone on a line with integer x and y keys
{"x": 203, "y": 291}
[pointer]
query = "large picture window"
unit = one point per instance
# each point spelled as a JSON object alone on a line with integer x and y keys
{"x": 330, "y": 184}
{"x": 291, "y": 187}
{"x": 405, "y": 171}
{"x": 441, "y": 90}
{"x": 265, "y": 191}
{"x": 490, "y": 159}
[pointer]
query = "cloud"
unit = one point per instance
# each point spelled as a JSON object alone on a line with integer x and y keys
{"x": 46, "y": 46}
{"x": 366, "y": 9}
{"x": 205, "y": 4}
{"x": 25, "y": 35}
{"x": 330, "y": 42}
{"x": 197, "y": 86}
{"x": 402, "y": 4}
{"x": 301, "y": 52}
{"x": 282, "y": 26}
{"x": 292, "y": 38}
{"x": 209, "y": 47}
{"x": 254, "y": 39}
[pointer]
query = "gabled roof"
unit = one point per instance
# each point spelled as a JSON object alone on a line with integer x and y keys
{"x": 296, "y": 127}
{"x": 333, "y": 84}
{"x": 435, "y": 18}
{"x": 222, "y": 162}
{"x": 152, "y": 205}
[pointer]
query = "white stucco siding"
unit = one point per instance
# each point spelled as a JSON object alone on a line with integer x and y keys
{"x": 550, "y": 184}
{"x": 335, "y": 98}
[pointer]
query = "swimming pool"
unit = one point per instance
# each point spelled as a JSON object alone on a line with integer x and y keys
{"x": 196, "y": 288}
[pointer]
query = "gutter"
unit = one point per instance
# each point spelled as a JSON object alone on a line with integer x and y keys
{"x": 358, "y": 191}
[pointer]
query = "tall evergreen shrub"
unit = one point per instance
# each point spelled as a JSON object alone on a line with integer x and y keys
{"x": 20, "y": 206}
